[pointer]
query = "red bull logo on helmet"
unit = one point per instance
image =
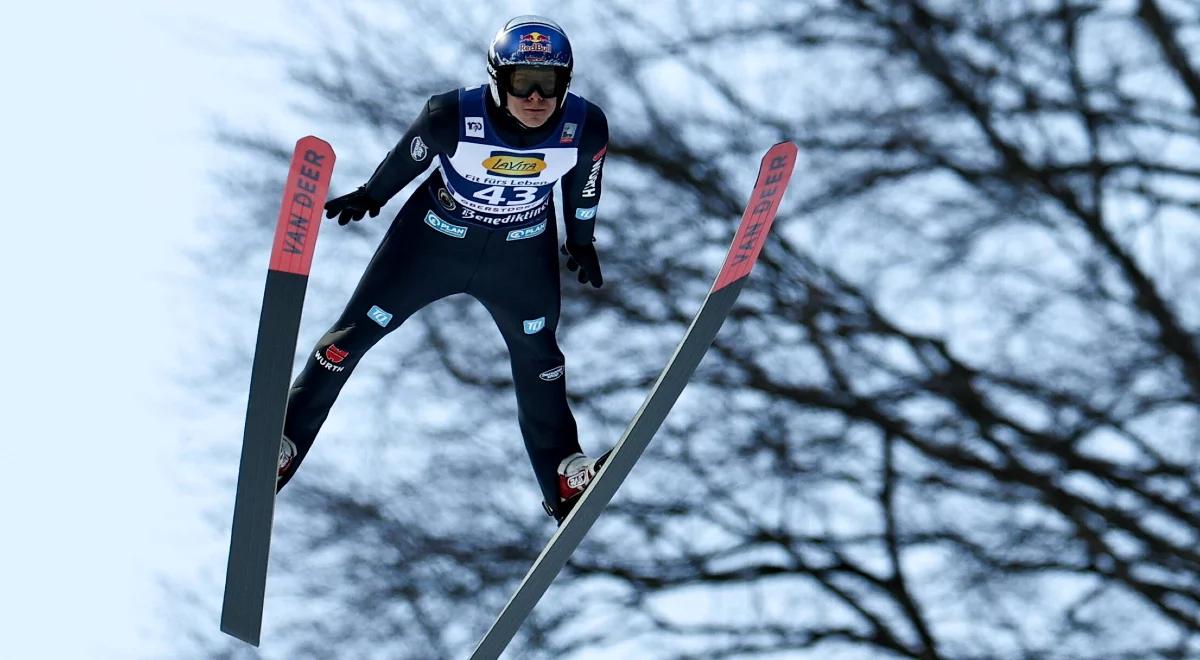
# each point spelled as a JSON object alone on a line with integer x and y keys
{"x": 537, "y": 38}
{"x": 534, "y": 44}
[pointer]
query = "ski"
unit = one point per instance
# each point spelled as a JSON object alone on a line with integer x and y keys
{"x": 287, "y": 278}
{"x": 773, "y": 175}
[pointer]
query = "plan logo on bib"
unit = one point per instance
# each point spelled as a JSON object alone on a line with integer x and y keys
{"x": 528, "y": 232}
{"x": 449, "y": 229}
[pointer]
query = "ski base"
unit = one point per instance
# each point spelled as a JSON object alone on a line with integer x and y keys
{"x": 278, "y": 327}
{"x": 774, "y": 173}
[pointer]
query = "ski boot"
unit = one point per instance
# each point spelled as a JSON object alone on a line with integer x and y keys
{"x": 287, "y": 456}
{"x": 575, "y": 474}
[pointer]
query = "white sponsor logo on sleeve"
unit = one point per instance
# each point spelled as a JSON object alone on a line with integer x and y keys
{"x": 417, "y": 149}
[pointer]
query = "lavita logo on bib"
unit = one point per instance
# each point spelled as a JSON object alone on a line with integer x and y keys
{"x": 509, "y": 164}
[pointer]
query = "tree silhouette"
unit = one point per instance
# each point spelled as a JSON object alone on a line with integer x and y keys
{"x": 954, "y": 414}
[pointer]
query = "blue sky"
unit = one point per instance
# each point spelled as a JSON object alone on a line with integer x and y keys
{"x": 107, "y": 173}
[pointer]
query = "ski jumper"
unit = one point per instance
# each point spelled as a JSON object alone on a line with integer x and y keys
{"x": 484, "y": 224}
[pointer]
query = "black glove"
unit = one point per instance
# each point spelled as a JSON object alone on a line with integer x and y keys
{"x": 352, "y": 206}
{"x": 584, "y": 259}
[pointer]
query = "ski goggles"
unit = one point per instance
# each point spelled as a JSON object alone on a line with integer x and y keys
{"x": 548, "y": 82}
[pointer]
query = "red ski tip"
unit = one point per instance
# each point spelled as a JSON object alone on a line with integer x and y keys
{"x": 773, "y": 175}
{"x": 303, "y": 202}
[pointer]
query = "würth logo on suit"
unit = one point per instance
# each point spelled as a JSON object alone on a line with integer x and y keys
{"x": 331, "y": 358}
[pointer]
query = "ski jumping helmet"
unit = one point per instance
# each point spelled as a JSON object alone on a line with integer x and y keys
{"x": 540, "y": 48}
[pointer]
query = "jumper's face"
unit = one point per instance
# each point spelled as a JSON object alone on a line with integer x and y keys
{"x": 532, "y": 111}
{"x": 532, "y": 93}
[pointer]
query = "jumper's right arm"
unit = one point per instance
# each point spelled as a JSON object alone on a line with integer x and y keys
{"x": 433, "y": 132}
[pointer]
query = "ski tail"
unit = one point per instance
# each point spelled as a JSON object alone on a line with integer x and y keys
{"x": 283, "y": 299}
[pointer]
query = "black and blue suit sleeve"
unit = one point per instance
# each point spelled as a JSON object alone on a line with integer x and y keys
{"x": 434, "y": 132}
{"x": 581, "y": 185}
